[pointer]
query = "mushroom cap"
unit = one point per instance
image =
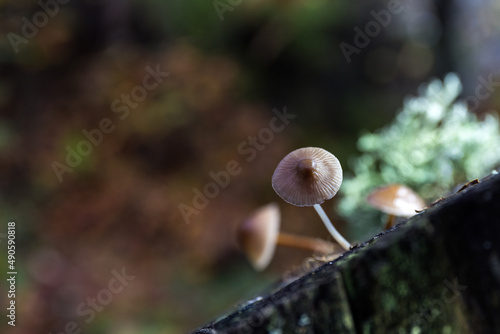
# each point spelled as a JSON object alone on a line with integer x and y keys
{"x": 396, "y": 199}
{"x": 258, "y": 234}
{"x": 307, "y": 176}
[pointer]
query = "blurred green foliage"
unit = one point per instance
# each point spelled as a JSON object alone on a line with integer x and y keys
{"x": 433, "y": 144}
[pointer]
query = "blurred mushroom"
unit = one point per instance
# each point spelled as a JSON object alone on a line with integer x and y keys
{"x": 307, "y": 177}
{"x": 258, "y": 236}
{"x": 396, "y": 200}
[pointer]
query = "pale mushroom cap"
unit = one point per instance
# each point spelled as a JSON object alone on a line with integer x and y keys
{"x": 397, "y": 200}
{"x": 307, "y": 176}
{"x": 258, "y": 234}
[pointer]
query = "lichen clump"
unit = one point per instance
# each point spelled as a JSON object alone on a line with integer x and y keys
{"x": 433, "y": 144}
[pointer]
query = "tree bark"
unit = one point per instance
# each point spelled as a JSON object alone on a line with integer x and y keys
{"x": 437, "y": 272}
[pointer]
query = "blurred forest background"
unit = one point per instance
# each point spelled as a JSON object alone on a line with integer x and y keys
{"x": 230, "y": 63}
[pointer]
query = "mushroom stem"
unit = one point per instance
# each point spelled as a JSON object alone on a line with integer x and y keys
{"x": 390, "y": 222}
{"x": 304, "y": 243}
{"x": 333, "y": 231}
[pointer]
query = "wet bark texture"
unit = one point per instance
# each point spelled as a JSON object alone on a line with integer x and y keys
{"x": 438, "y": 272}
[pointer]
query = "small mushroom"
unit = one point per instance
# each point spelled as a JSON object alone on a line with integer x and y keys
{"x": 396, "y": 200}
{"x": 308, "y": 177}
{"x": 259, "y": 234}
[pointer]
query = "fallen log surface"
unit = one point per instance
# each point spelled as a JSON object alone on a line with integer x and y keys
{"x": 437, "y": 272}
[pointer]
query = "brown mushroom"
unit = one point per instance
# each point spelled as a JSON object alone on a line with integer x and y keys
{"x": 259, "y": 234}
{"x": 308, "y": 177}
{"x": 396, "y": 200}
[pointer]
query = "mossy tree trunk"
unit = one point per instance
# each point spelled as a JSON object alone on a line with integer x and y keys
{"x": 438, "y": 272}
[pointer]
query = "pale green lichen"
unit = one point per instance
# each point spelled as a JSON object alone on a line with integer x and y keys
{"x": 416, "y": 330}
{"x": 433, "y": 144}
{"x": 276, "y": 331}
{"x": 304, "y": 320}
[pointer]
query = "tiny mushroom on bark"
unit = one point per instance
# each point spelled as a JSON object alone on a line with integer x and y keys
{"x": 259, "y": 234}
{"x": 396, "y": 200}
{"x": 308, "y": 177}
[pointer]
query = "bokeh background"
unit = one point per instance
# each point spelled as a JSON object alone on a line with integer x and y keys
{"x": 230, "y": 63}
